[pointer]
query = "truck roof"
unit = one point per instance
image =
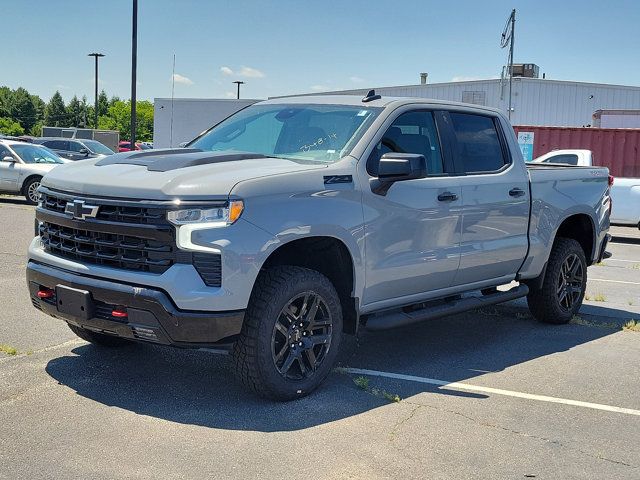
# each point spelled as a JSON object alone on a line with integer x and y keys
{"x": 356, "y": 100}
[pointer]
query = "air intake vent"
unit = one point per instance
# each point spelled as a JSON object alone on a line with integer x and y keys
{"x": 209, "y": 266}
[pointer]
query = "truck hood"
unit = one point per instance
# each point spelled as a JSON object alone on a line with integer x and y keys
{"x": 167, "y": 174}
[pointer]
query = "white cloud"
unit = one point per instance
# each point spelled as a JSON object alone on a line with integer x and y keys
{"x": 62, "y": 87}
{"x": 230, "y": 94}
{"x": 226, "y": 71}
{"x": 355, "y": 79}
{"x": 319, "y": 88}
{"x": 250, "y": 72}
{"x": 182, "y": 79}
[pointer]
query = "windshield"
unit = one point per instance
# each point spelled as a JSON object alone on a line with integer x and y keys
{"x": 318, "y": 133}
{"x": 97, "y": 147}
{"x": 35, "y": 154}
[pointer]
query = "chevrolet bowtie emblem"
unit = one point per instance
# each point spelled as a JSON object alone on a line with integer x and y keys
{"x": 81, "y": 211}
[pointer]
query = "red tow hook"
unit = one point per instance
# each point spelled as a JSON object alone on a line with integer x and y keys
{"x": 45, "y": 293}
{"x": 119, "y": 312}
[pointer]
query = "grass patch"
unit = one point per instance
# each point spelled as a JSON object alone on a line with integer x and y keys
{"x": 632, "y": 326}
{"x": 578, "y": 320}
{"x": 587, "y": 297}
{"x": 635, "y": 266}
{"x": 600, "y": 264}
{"x": 599, "y": 297}
{"x": 629, "y": 302}
{"x": 8, "y": 349}
{"x": 362, "y": 382}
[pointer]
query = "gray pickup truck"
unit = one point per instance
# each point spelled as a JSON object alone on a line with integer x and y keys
{"x": 299, "y": 220}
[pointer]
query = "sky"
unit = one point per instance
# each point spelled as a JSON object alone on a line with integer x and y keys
{"x": 281, "y": 47}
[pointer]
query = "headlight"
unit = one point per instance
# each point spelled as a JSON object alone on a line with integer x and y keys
{"x": 213, "y": 217}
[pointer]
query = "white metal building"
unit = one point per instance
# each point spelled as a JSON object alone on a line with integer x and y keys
{"x": 182, "y": 119}
{"x": 535, "y": 101}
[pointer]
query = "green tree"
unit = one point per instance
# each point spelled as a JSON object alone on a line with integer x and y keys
{"x": 36, "y": 130}
{"x": 74, "y": 113}
{"x": 119, "y": 118}
{"x": 23, "y": 109}
{"x": 103, "y": 103}
{"x": 55, "y": 114}
{"x": 40, "y": 107}
{"x": 9, "y": 127}
{"x": 5, "y": 101}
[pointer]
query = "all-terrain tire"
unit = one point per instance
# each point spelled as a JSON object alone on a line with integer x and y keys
{"x": 546, "y": 304}
{"x": 254, "y": 360}
{"x": 98, "y": 338}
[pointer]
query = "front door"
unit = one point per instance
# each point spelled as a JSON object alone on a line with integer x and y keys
{"x": 495, "y": 198}
{"x": 412, "y": 234}
{"x": 9, "y": 171}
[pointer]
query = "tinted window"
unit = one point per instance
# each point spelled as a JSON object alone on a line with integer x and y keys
{"x": 75, "y": 146}
{"x": 411, "y": 132}
{"x": 566, "y": 159}
{"x": 478, "y": 145}
{"x": 57, "y": 144}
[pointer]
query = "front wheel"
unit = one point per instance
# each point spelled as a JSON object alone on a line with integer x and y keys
{"x": 31, "y": 190}
{"x": 290, "y": 335}
{"x": 564, "y": 285}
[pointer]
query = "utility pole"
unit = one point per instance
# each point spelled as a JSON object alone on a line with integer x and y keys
{"x": 513, "y": 34}
{"x": 508, "y": 38}
{"x": 134, "y": 66}
{"x": 96, "y": 56}
{"x": 238, "y": 82}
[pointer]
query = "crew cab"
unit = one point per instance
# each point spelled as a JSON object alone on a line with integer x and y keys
{"x": 625, "y": 191}
{"x": 297, "y": 221}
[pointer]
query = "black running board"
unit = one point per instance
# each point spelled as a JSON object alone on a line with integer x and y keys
{"x": 399, "y": 318}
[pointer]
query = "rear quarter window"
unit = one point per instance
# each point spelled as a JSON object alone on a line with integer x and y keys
{"x": 478, "y": 143}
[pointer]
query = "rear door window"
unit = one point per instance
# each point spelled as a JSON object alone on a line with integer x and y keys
{"x": 57, "y": 144}
{"x": 478, "y": 143}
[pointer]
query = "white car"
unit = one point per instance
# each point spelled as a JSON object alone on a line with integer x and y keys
{"x": 22, "y": 166}
{"x": 625, "y": 192}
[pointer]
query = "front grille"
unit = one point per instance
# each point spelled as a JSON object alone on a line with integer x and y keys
{"x": 111, "y": 212}
{"x": 109, "y": 249}
{"x": 122, "y": 235}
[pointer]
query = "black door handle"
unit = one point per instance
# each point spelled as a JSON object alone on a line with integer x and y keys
{"x": 516, "y": 192}
{"x": 447, "y": 197}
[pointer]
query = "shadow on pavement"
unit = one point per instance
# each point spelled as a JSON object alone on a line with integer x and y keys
{"x": 193, "y": 387}
{"x": 14, "y": 200}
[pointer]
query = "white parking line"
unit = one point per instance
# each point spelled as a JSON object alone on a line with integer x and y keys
{"x": 611, "y": 259}
{"x": 612, "y": 281}
{"x": 496, "y": 391}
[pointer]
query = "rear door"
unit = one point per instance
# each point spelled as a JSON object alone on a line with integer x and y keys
{"x": 412, "y": 233}
{"x": 495, "y": 199}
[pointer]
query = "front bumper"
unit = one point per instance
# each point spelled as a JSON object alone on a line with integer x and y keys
{"x": 151, "y": 316}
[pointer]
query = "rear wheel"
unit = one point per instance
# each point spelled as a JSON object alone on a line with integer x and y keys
{"x": 98, "y": 338}
{"x": 31, "y": 190}
{"x": 290, "y": 335}
{"x": 564, "y": 284}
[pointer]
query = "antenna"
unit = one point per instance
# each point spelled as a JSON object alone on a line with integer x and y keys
{"x": 371, "y": 96}
{"x": 173, "y": 88}
{"x": 508, "y": 36}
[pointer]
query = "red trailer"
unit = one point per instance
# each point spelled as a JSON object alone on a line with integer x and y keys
{"x": 615, "y": 148}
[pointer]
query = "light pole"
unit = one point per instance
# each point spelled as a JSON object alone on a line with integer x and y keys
{"x": 134, "y": 64}
{"x": 96, "y": 56}
{"x": 238, "y": 82}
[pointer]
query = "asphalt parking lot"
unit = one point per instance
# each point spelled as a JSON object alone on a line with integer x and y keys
{"x": 487, "y": 394}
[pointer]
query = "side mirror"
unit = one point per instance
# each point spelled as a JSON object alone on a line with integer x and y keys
{"x": 9, "y": 159}
{"x": 84, "y": 151}
{"x": 397, "y": 167}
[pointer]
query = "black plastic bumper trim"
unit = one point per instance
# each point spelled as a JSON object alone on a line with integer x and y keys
{"x": 152, "y": 316}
